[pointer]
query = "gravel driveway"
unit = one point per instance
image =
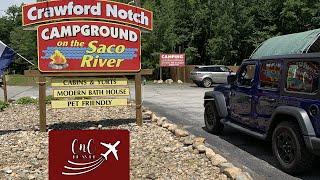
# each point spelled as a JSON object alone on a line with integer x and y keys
{"x": 183, "y": 104}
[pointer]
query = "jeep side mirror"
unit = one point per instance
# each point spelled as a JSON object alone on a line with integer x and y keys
{"x": 231, "y": 79}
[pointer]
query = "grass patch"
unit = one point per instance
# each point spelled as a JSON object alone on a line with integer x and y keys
{"x": 21, "y": 80}
{"x": 27, "y": 100}
{"x": 3, "y": 105}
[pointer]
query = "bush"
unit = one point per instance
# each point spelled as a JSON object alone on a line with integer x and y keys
{"x": 3, "y": 105}
{"x": 26, "y": 100}
{"x": 49, "y": 99}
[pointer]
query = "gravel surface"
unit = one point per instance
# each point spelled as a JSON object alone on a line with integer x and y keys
{"x": 155, "y": 152}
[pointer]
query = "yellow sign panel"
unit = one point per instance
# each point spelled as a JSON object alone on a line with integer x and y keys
{"x": 62, "y": 93}
{"x": 89, "y": 82}
{"x": 88, "y": 103}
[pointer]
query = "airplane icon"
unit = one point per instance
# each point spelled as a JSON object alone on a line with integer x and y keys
{"x": 112, "y": 148}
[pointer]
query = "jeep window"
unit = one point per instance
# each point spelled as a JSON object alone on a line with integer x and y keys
{"x": 303, "y": 76}
{"x": 246, "y": 75}
{"x": 270, "y": 74}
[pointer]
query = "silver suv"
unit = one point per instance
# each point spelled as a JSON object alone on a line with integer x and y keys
{"x": 207, "y": 75}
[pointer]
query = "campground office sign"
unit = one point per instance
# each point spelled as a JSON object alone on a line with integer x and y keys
{"x": 74, "y": 37}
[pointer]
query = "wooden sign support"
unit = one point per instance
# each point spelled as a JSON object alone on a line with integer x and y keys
{"x": 42, "y": 90}
{"x": 5, "y": 88}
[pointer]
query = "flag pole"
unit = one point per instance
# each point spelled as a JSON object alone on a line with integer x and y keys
{"x": 25, "y": 59}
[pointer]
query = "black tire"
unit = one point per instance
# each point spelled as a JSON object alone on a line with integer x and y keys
{"x": 212, "y": 119}
{"x": 289, "y": 148}
{"x": 207, "y": 82}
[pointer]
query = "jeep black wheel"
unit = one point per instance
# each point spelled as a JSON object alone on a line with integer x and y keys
{"x": 207, "y": 82}
{"x": 212, "y": 119}
{"x": 289, "y": 148}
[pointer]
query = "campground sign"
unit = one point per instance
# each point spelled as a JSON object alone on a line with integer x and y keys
{"x": 84, "y": 45}
{"x": 88, "y": 46}
{"x": 172, "y": 60}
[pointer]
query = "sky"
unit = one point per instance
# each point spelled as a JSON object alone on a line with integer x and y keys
{"x": 4, "y": 4}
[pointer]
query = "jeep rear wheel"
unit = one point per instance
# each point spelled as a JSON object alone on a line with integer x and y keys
{"x": 207, "y": 82}
{"x": 212, "y": 119}
{"x": 289, "y": 148}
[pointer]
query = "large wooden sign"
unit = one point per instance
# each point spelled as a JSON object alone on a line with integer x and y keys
{"x": 88, "y": 46}
{"x": 84, "y": 45}
{"x": 86, "y": 9}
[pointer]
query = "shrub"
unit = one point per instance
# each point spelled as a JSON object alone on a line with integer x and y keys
{"x": 49, "y": 99}
{"x": 3, "y": 105}
{"x": 26, "y": 100}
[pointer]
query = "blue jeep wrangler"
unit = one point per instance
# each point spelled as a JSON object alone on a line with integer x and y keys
{"x": 273, "y": 98}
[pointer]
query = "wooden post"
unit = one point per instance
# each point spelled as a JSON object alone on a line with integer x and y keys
{"x": 178, "y": 68}
{"x": 42, "y": 103}
{"x": 160, "y": 73}
{"x": 138, "y": 99}
{"x": 184, "y": 74}
{"x": 4, "y": 87}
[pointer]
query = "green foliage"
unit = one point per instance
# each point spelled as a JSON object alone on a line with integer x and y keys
{"x": 3, "y": 105}
{"x": 209, "y": 32}
{"x": 49, "y": 99}
{"x": 222, "y": 31}
{"x": 26, "y": 100}
{"x": 21, "y": 80}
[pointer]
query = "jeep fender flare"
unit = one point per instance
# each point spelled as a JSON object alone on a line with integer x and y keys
{"x": 219, "y": 101}
{"x": 300, "y": 115}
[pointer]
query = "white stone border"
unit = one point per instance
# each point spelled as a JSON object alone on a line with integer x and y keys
{"x": 199, "y": 146}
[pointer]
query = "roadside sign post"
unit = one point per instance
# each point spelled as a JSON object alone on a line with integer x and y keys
{"x": 5, "y": 88}
{"x": 42, "y": 103}
{"x": 79, "y": 44}
{"x": 138, "y": 98}
{"x": 172, "y": 60}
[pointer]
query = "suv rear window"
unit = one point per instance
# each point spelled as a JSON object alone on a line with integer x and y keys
{"x": 303, "y": 76}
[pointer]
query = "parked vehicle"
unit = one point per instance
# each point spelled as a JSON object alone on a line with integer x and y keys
{"x": 273, "y": 98}
{"x": 207, "y": 75}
